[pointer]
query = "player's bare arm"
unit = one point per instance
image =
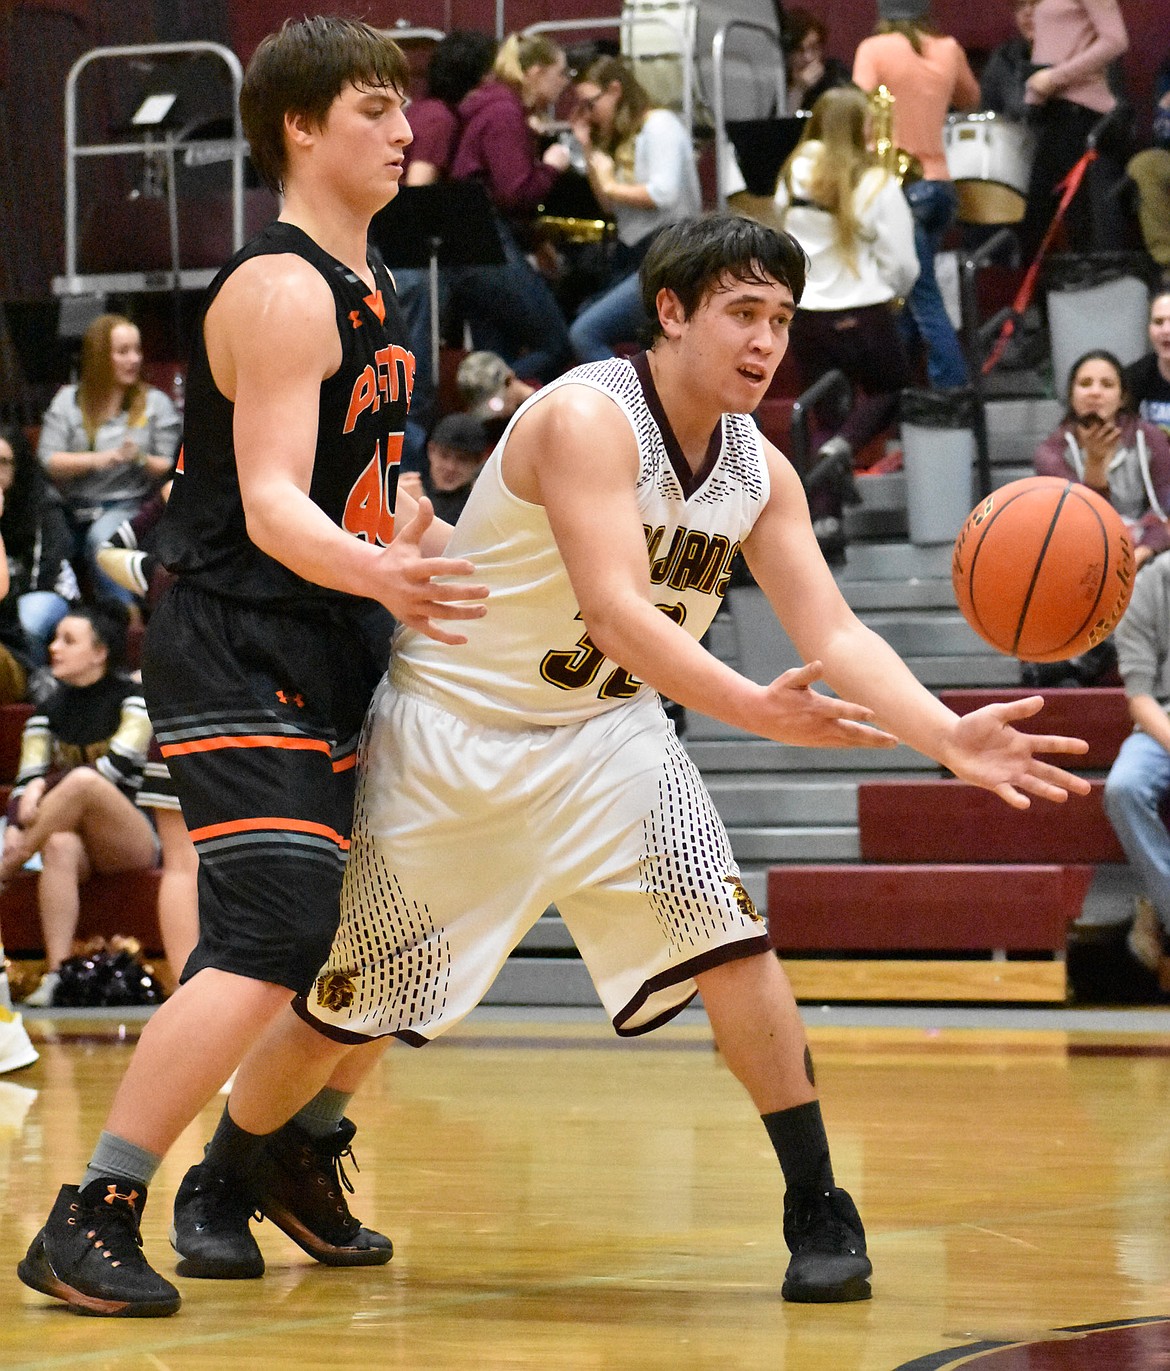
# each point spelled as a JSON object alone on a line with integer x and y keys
{"x": 982, "y": 748}
{"x": 276, "y": 398}
{"x": 574, "y": 453}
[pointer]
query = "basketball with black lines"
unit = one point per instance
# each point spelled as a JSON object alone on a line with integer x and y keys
{"x": 1043, "y": 569}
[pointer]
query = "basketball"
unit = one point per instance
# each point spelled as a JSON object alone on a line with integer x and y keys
{"x": 1043, "y": 569}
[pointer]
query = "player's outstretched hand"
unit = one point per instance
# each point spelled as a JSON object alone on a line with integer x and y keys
{"x": 408, "y": 587}
{"x": 792, "y": 712}
{"x": 987, "y": 751}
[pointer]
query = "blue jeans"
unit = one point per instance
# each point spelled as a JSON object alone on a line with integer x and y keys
{"x": 88, "y": 537}
{"x": 933, "y": 205}
{"x": 1136, "y": 786}
{"x": 40, "y": 613}
{"x": 414, "y": 299}
{"x": 615, "y": 316}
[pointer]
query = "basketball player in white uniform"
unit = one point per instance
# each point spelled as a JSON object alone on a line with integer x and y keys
{"x": 534, "y": 764}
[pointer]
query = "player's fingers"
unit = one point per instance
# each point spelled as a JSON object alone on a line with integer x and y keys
{"x": 440, "y": 635}
{"x": 461, "y": 591}
{"x": 1012, "y": 796}
{"x": 1056, "y": 775}
{"x": 800, "y": 677}
{"x": 1018, "y": 709}
{"x": 436, "y": 609}
{"x": 847, "y": 709}
{"x": 1057, "y": 743}
{"x": 861, "y": 735}
{"x": 424, "y": 517}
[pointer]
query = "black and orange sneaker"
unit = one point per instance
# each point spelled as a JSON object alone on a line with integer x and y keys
{"x": 301, "y": 1186}
{"x": 211, "y": 1231}
{"x": 89, "y": 1254}
{"x": 825, "y": 1236}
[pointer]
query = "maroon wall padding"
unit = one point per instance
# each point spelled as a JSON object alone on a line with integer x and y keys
{"x": 950, "y": 821}
{"x": 924, "y": 908}
{"x": 125, "y": 904}
{"x": 1098, "y": 714}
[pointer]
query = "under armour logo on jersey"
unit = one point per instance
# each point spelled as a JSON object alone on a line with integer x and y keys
{"x": 286, "y": 699}
{"x": 355, "y": 318}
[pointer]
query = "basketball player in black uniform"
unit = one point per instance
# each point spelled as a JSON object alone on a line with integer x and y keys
{"x": 259, "y": 665}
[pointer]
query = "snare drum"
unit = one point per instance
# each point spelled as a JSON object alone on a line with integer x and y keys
{"x": 990, "y": 159}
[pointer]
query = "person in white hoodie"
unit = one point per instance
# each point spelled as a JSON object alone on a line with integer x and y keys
{"x": 852, "y": 220}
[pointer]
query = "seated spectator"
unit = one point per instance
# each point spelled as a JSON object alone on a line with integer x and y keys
{"x": 1150, "y": 172}
{"x": 641, "y": 166}
{"x": 927, "y": 73}
{"x": 38, "y": 543}
{"x": 1003, "y": 81}
{"x": 1103, "y": 444}
{"x": 808, "y": 70}
{"x": 81, "y": 764}
{"x": 456, "y": 450}
{"x": 1068, "y": 93}
{"x": 511, "y": 309}
{"x": 15, "y": 662}
{"x": 852, "y": 220}
{"x": 1148, "y": 379}
{"x": 459, "y": 63}
{"x": 1139, "y": 780}
{"x": 490, "y": 390}
{"x": 108, "y": 441}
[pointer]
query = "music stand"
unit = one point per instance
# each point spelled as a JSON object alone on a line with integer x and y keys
{"x": 448, "y": 224}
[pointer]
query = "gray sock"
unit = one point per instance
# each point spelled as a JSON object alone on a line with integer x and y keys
{"x": 5, "y": 991}
{"x": 117, "y": 1158}
{"x": 324, "y": 1112}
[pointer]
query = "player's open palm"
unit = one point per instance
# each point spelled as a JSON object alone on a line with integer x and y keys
{"x": 792, "y": 712}
{"x": 410, "y": 591}
{"x": 986, "y": 750}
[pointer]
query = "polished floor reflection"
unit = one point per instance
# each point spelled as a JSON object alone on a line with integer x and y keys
{"x": 565, "y": 1201}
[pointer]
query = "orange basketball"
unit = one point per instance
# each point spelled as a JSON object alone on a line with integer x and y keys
{"x": 1043, "y": 569}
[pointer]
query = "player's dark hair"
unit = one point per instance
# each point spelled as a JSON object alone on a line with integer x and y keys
{"x": 1096, "y": 355}
{"x": 301, "y": 69}
{"x": 693, "y": 256}
{"x": 459, "y": 63}
{"x": 110, "y": 621}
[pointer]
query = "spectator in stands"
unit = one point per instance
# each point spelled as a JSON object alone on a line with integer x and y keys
{"x": 926, "y": 73}
{"x": 1150, "y": 172}
{"x": 1148, "y": 379}
{"x": 852, "y": 220}
{"x": 108, "y": 441}
{"x": 641, "y": 166}
{"x": 490, "y": 390}
{"x": 456, "y": 450}
{"x": 459, "y": 63}
{"x": 1139, "y": 780}
{"x": 38, "y": 543}
{"x": 809, "y": 72}
{"x": 1004, "y": 79}
{"x": 1104, "y": 445}
{"x": 15, "y": 663}
{"x": 81, "y": 764}
{"x": 1067, "y": 96}
{"x": 511, "y": 309}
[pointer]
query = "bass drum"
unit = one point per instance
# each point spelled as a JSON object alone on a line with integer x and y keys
{"x": 990, "y": 161}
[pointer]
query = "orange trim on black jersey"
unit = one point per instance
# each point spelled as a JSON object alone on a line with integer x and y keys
{"x": 230, "y": 826}
{"x": 346, "y": 763}
{"x": 179, "y": 463}
{"x": 377, "y": 304}
{"x": 246, "y": 740}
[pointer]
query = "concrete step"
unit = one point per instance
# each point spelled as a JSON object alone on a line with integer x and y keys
{"x": 883, "y": 492}
{"x": 756, "y": 755}
{"x": 896, "y": 561}
{"x": 804, "y": 844}
{"x": 863, "y": 521}
{"x": 864, "y": 597}
{"x": 785, "y": 799}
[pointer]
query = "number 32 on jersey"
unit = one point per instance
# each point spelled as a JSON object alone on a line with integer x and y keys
{"x": 577, "y": 668}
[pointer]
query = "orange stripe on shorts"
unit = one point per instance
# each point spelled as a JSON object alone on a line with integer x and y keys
{"x": 259, "y": 825}
{"x": 246, "y": 740}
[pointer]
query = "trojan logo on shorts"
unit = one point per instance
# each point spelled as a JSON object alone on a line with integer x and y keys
{"x": 335, "y": 991}
{"x": 743, "y": 899}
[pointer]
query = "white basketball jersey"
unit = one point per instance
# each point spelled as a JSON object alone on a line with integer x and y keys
{"x": 529, "y": 660}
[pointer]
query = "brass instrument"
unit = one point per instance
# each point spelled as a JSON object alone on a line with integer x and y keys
{"x": 903, "y": 166}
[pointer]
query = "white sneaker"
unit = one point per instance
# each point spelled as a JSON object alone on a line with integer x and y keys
{"x": 42, "y": 996}
{"x": 15, "y": 1102}
{"x": 15, "y": 1048}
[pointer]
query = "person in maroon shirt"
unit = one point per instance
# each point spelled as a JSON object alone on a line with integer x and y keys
{"x": 511, "y": 309}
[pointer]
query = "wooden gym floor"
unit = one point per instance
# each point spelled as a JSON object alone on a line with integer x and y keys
{"x": 565, "y": 1201}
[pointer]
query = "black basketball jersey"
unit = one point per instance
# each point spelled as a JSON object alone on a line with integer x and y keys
{"x": 203, "y": 536}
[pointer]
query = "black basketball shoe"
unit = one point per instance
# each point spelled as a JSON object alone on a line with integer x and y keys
{"x": 89, "y": 1254}
{"x": 301, "y": 1187}
{"x": 824, "y": 1234}
{"x": 210, "y": 1230}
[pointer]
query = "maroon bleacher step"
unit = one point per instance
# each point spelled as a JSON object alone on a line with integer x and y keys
{"x": 125, "y": 904}
{"x": 943, "y": 908}
{"x": 948, "y": 821}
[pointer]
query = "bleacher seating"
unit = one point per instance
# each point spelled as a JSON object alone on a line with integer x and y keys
{"x": 956, "y": 895}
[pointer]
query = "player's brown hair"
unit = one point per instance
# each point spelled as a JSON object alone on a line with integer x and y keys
{"x": 301, "y": 69}
{"x": 692, "y": 256}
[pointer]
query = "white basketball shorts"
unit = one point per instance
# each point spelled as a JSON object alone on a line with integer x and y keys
{"x": 464, "y": 834}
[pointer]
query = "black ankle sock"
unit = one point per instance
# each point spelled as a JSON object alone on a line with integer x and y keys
{"x": 231, "y": 1150}
{"x": 798, "y": 1135}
